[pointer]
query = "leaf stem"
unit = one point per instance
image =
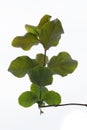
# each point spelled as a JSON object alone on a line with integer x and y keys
{"x": 66, "y": 104}
{"x": 40, "y": 92}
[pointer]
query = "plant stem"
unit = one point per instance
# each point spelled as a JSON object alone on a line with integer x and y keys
{"x": 44, "y": 57}
{"x": 40, "y": 102}
{"x": 66, "y": 104}
{"x": 40, "y": 92}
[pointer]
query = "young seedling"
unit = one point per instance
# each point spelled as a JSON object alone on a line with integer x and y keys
{"x": 41, "y": 69}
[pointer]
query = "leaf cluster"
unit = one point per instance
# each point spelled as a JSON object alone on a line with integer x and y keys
{"x": 41, "y": 69}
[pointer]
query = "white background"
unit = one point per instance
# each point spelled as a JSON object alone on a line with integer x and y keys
{"x": 14, "y": 14}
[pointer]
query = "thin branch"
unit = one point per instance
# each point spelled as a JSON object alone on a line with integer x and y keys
{"x": 41, "y": 112}
{"x": 66, "y": 104}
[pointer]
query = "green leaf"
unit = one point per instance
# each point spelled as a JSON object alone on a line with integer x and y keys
{"x": 41, "y": 76}
{"x": 21, "y": 66}
{"x": 36, "y": 29}
{"x": 44, "y": 90}
{"x": 52, "y": 98}
{"x": 32, "y": 29}
{"x": 25, "y": 42}
{"x": 46, "y": 18}
{"x": 27, "y": 99}
{"x": 51, "y": 33}
{"x": 36, "y": 90}
{"x": 40, "y": 58}
{"x": 62, "y": 64}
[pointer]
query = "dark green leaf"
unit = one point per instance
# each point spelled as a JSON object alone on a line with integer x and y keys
{"x": 44, "y": 20}
{"x": 51, "y": 33}
{"x": 25, "y": 42}
{"x": 21, "y": 66}
{"x": 40, "y": 59}
{"x": 62, "y": 64}
{"x": 36, "y": 90}
{"x": 52, "y": 98}
{"x": 41, "y": 76}
{"x": 27, "y": 99}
